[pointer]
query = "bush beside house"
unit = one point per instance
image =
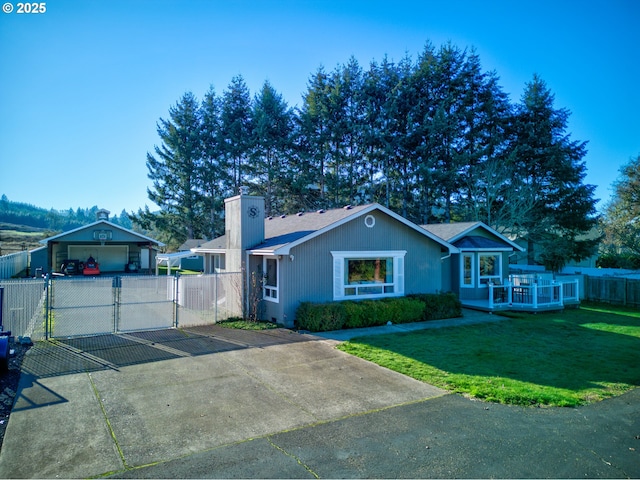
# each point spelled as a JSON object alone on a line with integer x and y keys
{"x": 438, "y": 306}
{"x": 321, "y": 317}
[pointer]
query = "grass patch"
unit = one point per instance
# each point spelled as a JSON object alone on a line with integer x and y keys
{"x": 567, "y": 358}
{"x": 246, "y": 324}
{"x": 162, "y": 270}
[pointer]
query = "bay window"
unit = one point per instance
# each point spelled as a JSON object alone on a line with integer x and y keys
{"x": 368, "y": 274}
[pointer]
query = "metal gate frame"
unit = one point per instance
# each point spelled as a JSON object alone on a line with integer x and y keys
{"x": 204, "y": 300}
{"x": 108, "y": 317}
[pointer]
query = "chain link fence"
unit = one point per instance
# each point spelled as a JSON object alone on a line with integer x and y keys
{"x": 23, "y": 307}
{"x": 77, "y": 306}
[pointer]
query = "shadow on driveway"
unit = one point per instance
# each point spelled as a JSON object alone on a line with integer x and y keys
{"x": 113, "y": 351}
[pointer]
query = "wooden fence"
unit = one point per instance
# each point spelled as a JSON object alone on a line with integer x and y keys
{"x": 616, "y": 290}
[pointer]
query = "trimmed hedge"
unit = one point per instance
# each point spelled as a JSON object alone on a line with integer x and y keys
{"x": 438, "y": 306}
{"x": 320, "y": 317}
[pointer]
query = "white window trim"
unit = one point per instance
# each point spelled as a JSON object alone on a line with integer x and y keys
{"x": 267, "y": 288}
{"x": 338, "y": 272}
{"x": 489, "y": 277}
{"x": 473, "y": 276}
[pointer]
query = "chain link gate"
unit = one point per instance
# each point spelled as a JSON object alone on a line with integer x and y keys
{"x": 103, "y": 305}
{"x": 78, "y": 306}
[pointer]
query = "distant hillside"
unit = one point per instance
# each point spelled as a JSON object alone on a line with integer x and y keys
{"x": 18, "y": 213}
{"x": 23, "y": 225}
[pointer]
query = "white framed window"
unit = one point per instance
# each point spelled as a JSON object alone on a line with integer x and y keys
{"x": 368, "y": 274}
{"x": 489, "y": 267}
{"x": 271, "y": 269}
{"x": 466, "y": 271}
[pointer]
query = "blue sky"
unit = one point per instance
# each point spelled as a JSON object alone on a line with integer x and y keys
{"x": 83, "y": 85}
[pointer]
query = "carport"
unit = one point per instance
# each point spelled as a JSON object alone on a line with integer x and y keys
{"x": 171, "y": 260}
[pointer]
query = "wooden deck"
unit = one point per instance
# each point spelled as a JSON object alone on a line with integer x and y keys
{"x": 483, "y": 306}
{"x": 518, "y": 296}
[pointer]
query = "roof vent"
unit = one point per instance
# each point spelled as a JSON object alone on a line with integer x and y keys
{"x": 244, "y": 190}
{"x": 300, "y": 214}
{"x": 347, "y": 207}
{"x": 320, "y": 211}
{"x": 269, "y": 218}
{"x": 282, "y": 216}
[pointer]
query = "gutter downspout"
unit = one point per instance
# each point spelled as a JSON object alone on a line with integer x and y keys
{"x": 442, "y": 259}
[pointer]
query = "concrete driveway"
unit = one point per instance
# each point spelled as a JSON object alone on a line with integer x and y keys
{"x": 220, "y": 403}
{"x": 91, "y": 406}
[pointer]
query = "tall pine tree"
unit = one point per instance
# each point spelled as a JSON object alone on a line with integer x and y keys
{"x": 235, "y": 130}
{"x": 174, "y": 170}
{"x": 272, "y": 145}
{"x": 551, "y": 168}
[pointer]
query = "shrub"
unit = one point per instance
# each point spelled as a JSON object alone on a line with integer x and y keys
{"x": 439, "y": 305}
{"x": 321, "y": 317}
{"x": 407, "y": 310}
{"x": 356, "y": 315}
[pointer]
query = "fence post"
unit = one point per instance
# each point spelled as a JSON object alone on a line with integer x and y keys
{"x": 561, "y": 293}
{"x": 176, "y": 292}
{"x": 535, "y": 295}
{"x": 509, "y": 293}
{"x": 47, "y": 306}
{"x": 490, "y": 295}
{"x": 215, "y": 298}
{"x": 116, "y": 285}
{"x": 1, "y": 307}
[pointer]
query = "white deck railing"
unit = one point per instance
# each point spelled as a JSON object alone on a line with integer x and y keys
{"x": 543, "y": 293}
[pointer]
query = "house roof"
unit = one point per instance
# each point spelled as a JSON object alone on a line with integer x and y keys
{"x": 285, "y": 229}
{"x": 106, "y": 223}
{"x": 285, "y": 232}
{"x": 191, "y": 243}
{"x": 456, "y": 232}
{"x": 474, "y": 242}
{"x": 217, "y": 245}
{"x": 172, "y": 259}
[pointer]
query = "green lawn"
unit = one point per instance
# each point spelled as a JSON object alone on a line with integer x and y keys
{"x": 246, "y": 324}
{"x": 567, "y": 358}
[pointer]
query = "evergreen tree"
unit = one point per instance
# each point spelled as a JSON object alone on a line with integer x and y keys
{"x": 377, "y": 84}
{"x": 622, "y": 214}
{"x": 124, "y": 220}
{"x": 551, "y": 169}
{"x": 174, "y": 170}
{"x": 347, "y": 129}
{"x": 216, "y": 171}
{"x": 272, "y": 130}
{"x": 401, "y": 146}
{"x": 314, "y": 135}
{"x": 486, "y": 188}
{"x": 235, "y": 130}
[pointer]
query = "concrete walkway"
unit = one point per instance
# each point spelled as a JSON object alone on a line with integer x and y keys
{"x": 470, "y": 317}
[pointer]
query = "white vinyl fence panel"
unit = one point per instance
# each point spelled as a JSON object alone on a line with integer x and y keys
{"x": 13, "y": 264}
